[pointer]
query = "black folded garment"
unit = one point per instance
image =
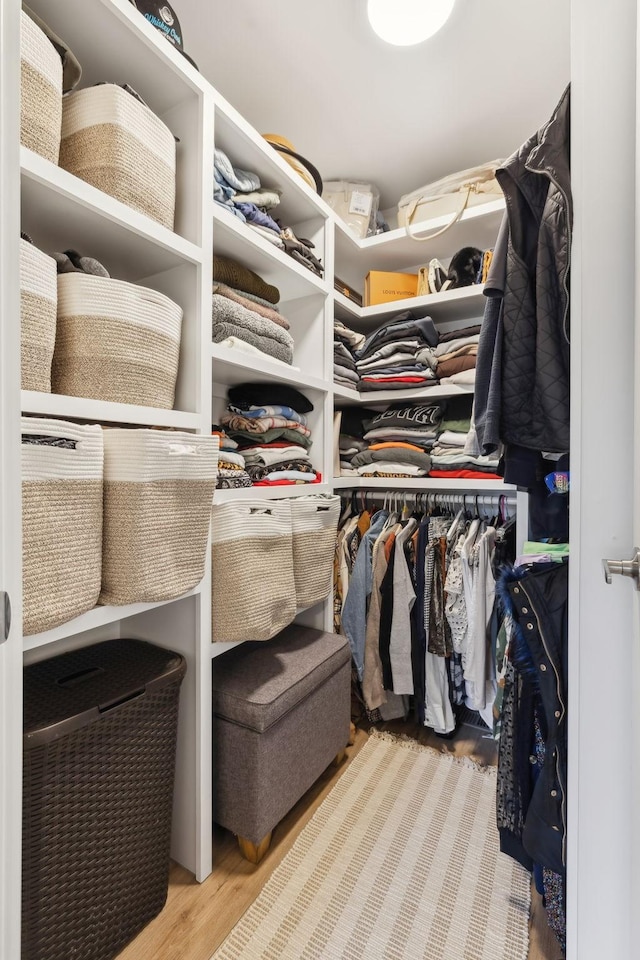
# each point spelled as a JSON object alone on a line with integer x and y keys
{"x": 245, "y": 395}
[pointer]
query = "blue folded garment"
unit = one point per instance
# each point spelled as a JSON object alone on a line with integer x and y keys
{"x": 254, "y": 214}
{"x": 242, "y": 180}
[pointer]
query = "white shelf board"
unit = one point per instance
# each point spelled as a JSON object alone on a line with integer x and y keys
{"x": 232, "y": 238}
{"x": 420, "y": 483}
{"x": 98, "y": 617}
{"x": 121, "y": 45}
{"x": 343, "y": 393}
{"x": 79, "y": 408}
{"x": 232, "y": 366}
{"x": 463, "y": 304}
{"x": 375, "y": 398}
{"x": 217, "y": 649}
{"x": 395, "y": 250}
{"x": 270, "y": 493}
{"x": 60, "y": 211}
{"x": 246, "y": 148}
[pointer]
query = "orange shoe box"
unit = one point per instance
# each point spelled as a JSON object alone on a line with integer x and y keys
{"x": 381, "y": 287}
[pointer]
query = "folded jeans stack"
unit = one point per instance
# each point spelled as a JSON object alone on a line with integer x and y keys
{"x": 345, "y": 343}
{"x": 399, "y": 442}
{"x": 268, "y": 423}
{"x": 390, "y": 358}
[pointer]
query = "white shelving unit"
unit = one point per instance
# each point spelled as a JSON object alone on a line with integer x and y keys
{"x": 424, "y": 484}
{"x": 114, "y": 42}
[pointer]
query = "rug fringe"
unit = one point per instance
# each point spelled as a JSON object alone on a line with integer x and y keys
{"x": 409, "y": 743}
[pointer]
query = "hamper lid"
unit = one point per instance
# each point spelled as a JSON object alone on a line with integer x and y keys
{"x": 67, "y": 692}
{"x": 257, "y": 683}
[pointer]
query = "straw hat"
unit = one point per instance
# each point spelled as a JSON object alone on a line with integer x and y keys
{"x": 303, "y": 167}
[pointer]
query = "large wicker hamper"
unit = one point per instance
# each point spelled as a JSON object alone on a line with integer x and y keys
{"x": 99, "y": 747}
{"x": 40, "y": 91}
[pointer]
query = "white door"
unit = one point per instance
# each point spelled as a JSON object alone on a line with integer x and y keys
{"x": 604, "y": 691}
{"x": 10, "y": 533}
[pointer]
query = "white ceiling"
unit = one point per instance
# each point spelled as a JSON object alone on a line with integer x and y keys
{"x": 360, "y": 108}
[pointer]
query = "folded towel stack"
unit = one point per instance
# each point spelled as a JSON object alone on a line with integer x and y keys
{"x": 242, "y": 194}
{"x": 345, "y": 344}
{"x": 393, "y": 357}
{"x": 269, "y": 425}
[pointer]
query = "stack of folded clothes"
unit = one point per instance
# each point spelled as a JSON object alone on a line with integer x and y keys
{"x": 456, "y": 356}
{"x": 231, "y": 466}
{"x": 448, "y": 457}
{"x": 244, "y": 314}
{"x": 351, "y": 439}
{"x": 241, "y": 193}
{"x": 345, "y": 343}
{"x": 268, "y": 423}
{"x": 399, "y": 441}
{"x": 390, "y": 358}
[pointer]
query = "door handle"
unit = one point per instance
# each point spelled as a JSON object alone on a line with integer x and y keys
{"x": 5, "y": 616}
{"x": 623, "y": 568}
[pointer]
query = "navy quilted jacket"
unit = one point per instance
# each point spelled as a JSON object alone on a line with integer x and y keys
{"x": 535, "y": 357}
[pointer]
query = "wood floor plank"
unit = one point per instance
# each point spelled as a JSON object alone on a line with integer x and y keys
{"x": 197, "y": 917}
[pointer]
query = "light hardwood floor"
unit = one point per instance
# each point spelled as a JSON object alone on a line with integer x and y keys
{"x": 197, "y": 917}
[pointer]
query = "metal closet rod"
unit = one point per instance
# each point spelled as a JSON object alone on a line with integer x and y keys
{"x": 428, "y": 499}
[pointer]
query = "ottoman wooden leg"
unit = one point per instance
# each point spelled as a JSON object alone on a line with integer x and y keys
{"x": 340, "y": 755}
{"x": 254, "y": 852}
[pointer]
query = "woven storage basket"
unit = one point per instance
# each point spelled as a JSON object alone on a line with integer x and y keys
{"x": 38, "y": 299}
{"x": 158, "y": 490}
{"x": 40, "y": 91}
{"x": 99, "y": 748}
{"x": 253, "y": 588}
{"x": 120, "y": 146}
{"x": 61, "y": 522}
{"x": 116, "y": 341}
{"x": 314, "y": 522}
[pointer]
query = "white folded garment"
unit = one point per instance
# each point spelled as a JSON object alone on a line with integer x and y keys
{"x": 235, "y": 343}
{"x": 452, "y": 345}
{"x": 452, "y": 439}
{"x": 466, "y": 378}
{"x": 231, "y": 457}
{"x": 385, "y": 466}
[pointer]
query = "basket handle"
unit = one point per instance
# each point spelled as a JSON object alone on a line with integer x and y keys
{"x": 411, "y": 209}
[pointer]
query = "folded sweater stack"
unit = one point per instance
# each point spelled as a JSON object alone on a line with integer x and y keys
{"x": 353, "y": 421}
{"x": 345, "y": 344}
{"x": 399, "y": 441}
{"x": 390, "y": 359}
{"x": 241, "y": 193}
{"x": 268, "y": 423}
{"x": 454, "y": 358}
{"x": 448, "y": 457}
{"x": 244, "y": 315}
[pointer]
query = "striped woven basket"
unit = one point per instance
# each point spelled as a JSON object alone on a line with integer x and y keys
{"x": 253, "y": 593}
{"x": 116, "y": 341}
{"x": 120, "y": 146}
{"x": 38, "y": 299}
{"x": 158, "y": 491}
{"x": 40, "y": 91}
{"x": 61, "y": 521}
{"x": 314, "y": 522}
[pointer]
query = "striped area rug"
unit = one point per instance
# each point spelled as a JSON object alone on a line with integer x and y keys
{"x": 400, "y": 862}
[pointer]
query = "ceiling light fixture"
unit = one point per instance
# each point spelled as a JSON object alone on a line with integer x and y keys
{"x": 407, "y": 22}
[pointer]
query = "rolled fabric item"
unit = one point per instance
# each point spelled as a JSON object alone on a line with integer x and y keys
{"x": 241, "y": 278}
{"x": 268, "y": 313}
{"x": 246, "y": 395}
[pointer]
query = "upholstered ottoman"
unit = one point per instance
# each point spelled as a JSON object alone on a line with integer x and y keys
{"x": 281, "y": 715}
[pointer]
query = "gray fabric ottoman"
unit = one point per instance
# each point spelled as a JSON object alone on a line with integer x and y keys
{"x": 281, "y": 715}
